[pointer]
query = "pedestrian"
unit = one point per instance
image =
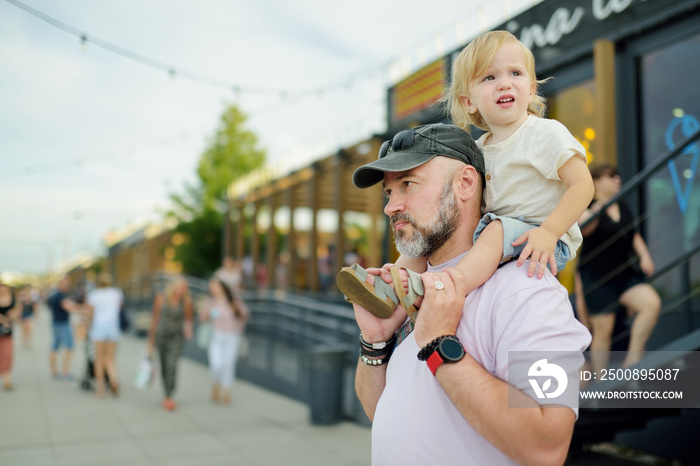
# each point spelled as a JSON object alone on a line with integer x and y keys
{"x": 10, "y": 310}
{"x": 438, "y": 391}
{"x": 614, "y": 266}
{"x": 30, "y": 311}
{"x": 171, "y": 325}
{"x": 104, "y": 304}
{"x": 537, "y": 181}
{"x": 231, "y": 273}
{"x": 228, "y": 315}
{"x": 62, "y": 307}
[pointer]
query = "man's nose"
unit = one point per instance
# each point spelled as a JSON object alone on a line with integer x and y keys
{"x": 394, "y": 205}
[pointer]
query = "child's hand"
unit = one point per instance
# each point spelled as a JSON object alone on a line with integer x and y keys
{"x": 539, "y": 248}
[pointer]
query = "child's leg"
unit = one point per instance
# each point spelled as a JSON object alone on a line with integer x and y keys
{"x": 417, "y": 264}
{"x": 483, "y": 258}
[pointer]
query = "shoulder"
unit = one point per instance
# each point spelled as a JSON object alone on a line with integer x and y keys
{"x": 510, "y": 296}
{"x": 526, "y": 313}
{"x": 546, "y": 124}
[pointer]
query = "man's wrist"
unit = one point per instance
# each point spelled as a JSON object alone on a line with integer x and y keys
{"x": 376, "y": 353}
{"x": 376, "y": 343}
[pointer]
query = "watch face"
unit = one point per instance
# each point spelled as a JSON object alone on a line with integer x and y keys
{"x": 451, "y": 350}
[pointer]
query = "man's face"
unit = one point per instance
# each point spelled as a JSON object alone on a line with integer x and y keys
{"x": 422, "y": 209}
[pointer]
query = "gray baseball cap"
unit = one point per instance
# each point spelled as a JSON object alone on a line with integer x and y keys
{"x": 412, "y": 148}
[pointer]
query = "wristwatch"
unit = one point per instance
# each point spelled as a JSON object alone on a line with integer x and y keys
{"x": 448, "y": 349}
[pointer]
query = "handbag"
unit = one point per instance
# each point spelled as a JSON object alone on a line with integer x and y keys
{"x": 144, "y": 373}
{"x": 203, "y": 334}
{"x": 124, "y": 322}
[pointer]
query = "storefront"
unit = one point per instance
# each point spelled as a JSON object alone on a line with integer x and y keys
{"x": 623, "y": 82}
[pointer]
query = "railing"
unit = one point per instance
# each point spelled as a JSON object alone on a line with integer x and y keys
{"x": 684, "y": 302}
{"x": 282, "y": 331}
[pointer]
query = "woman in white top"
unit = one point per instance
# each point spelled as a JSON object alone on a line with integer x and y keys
{"x": 228, "y": 315}
{"x": 104, "y": 304}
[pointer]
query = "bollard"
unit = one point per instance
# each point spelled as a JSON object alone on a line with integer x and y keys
{"x": 325, "y": 394}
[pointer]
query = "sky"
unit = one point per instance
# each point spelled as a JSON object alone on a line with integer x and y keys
{"x": 92, "y": 141}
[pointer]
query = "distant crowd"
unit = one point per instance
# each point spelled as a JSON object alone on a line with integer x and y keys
{"x": 94, "y": 314}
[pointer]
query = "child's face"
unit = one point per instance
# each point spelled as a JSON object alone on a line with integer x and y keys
{"x": 503, "y": 92}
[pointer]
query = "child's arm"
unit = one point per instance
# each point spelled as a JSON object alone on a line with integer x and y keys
{"x": 542, "y": 240}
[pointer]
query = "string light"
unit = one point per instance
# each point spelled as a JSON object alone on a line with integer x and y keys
{"x": 385, "y": 68}
{"x": 283, "y": 94}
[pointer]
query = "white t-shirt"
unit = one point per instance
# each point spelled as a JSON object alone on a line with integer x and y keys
{"x": 416, "y": 423}
{"x": 521, "y": 173}
{"x": 106, "y": 303}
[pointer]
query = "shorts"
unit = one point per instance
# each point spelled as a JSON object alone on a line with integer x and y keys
{"x": 605, "y": 297}
{"x": 62, "y": 336}
{"x": 105, "y": 332}
{"x": 512, "y": 229}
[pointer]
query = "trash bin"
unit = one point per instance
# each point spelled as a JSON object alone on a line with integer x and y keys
{"x": 326, "y": 366}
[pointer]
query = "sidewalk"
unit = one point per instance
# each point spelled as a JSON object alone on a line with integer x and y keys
{"x": 50, "y": 422}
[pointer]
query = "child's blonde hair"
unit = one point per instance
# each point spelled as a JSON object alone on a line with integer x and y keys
{"x": 472, "y": 63}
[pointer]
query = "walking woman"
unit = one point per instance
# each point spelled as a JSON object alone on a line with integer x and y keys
{"x": 171, "y": 324}
{"x": 29, "y": 312}
{"x": 10, "y": 309}
{"x": 104, "y": 304}
{"x": 228, "y": 315}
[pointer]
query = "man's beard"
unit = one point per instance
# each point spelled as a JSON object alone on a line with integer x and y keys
{"x": 425, "y": 240}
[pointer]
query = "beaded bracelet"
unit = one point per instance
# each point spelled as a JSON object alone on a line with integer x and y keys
{"x": 374, "y": 362}
{"x": 430, "y": 348}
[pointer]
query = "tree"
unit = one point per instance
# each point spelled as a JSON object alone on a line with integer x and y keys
{"x": 232, "y": 153}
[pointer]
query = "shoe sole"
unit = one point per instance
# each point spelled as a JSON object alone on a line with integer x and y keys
{"x": 362, "y": 293}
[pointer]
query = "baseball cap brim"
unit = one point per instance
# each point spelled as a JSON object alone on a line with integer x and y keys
{"x": 372, "y": 173}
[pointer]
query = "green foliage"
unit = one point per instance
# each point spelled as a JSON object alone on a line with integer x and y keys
{"x": 200, "y": 254}
{"x": 232, "y": 153}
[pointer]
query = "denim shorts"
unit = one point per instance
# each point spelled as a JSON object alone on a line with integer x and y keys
{"x": 512, "y": 229}
{"x": 62, "y": 336}
{"x": 105, "y": 332}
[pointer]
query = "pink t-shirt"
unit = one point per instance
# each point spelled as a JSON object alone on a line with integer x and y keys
{"x": 222, "y": 317}
{"x": 416, "y": 423}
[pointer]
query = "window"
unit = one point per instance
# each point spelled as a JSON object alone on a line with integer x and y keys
{"x": 670, "y": 111}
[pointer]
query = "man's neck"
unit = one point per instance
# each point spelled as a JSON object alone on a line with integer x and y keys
{"x": 460, "y": 242}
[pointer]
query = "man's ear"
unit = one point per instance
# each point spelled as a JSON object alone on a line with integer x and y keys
{"x": 468, "y": 182}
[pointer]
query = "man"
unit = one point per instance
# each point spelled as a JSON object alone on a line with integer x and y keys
{"x": 461, "y": 412}
{"x": 61, "y": 307}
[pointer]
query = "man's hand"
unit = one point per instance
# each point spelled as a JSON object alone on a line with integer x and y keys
{"x": 374, "y": 329}
{"x": 540, "y": 249}
{"x": 441, "y": 310}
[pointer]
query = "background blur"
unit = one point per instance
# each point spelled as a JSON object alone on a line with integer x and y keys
{"x": 106, "y": 107}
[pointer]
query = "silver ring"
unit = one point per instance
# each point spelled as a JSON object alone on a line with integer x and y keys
{"x": 439, "y": 285}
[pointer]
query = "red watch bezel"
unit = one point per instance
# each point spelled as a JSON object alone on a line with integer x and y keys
{"x": 434, "y": 361}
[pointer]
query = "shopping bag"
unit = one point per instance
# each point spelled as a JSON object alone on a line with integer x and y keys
{"x": 203, "y": 334}
{"x": 144, "y": 373}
